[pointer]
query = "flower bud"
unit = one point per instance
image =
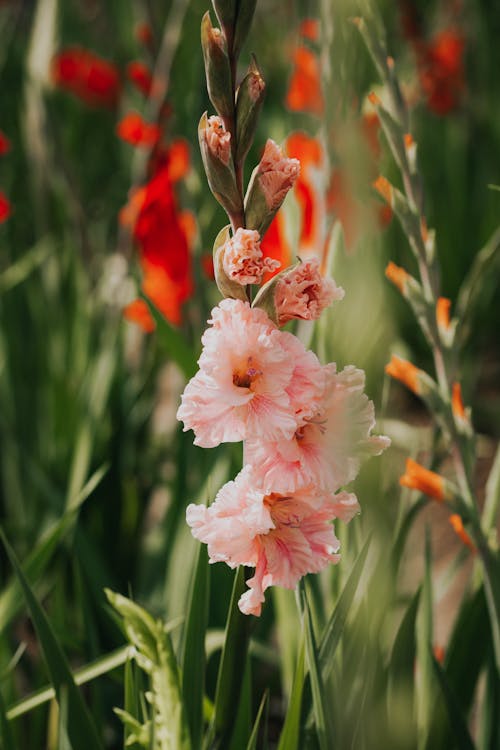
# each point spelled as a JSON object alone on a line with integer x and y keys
{"x": 271, "y": 180}
{"x": 215, "y": 145}
{"x": 248, "y": 105}
{"x": 217, "y": 69}
{"x": 416, "y": 477}
{"x": 226, "y": 286}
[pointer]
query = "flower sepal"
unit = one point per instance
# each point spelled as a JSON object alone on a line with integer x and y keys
{"x": 265, "y": 299}
{"x": 217, "y": 68}
{"x": 226, "y": 286}
{"x": 219, "y": 169}
{"x": 249, "y": 99}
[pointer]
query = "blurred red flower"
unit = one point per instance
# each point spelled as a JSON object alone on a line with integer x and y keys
{"x": 163, "y": 233}
{"x": 86, "y": 75}
{"x": 4, "y": 144}
{"x": 309, "y": 29}
{"x": 441, "y": 70}
{"x": 304, "y": 91}
{"x": 139, "y": 74}
{"x": 135, "y": 130}
{"x": 5, "y": 210}
{"x": 138, "y": 312}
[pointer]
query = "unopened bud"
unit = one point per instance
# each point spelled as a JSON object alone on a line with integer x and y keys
{"x": 215, "y": 146}
{"x": 248, "y": 105}
{"x": 226, "y": 13}
{"x": 412, "y": 377}
{"x": 416, "y": 477}
{"x": 446, "y": 327}
{"x": 303, "y": 293}
{"x": 226, "y": 286}
{"x": 217, "y": 69}
{"x": 270, "y": 182}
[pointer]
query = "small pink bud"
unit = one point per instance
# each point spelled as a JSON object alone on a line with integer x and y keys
{"x": 304, "y": 293}
{"x": 242, "y": 258}
{"x": 218, "y": 139}
{"x": 277, "y": 174}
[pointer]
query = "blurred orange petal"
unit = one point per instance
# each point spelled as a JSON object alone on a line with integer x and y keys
{"x": 138, "y": 312}
{"x": 304, "y": 91}
{"x": 133, "y": 129}
{"x": 140, "y": 75}
{"x": 309, "y": 28}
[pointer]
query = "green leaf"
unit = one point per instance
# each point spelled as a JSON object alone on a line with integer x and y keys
{"x": 193, "y": 660}
{"x": 173, "y": 342}
{"x": 230, "y": 676}
{"x": 492, "y": 496}
{"x": 425, "y": 685}
{"x": 243, "y": 722}
{"x": 82, "y": 732}
{"x": 455, "y": 714}
{"x": 6, "y": 736}
{"x": 335, "y": 625}
{"x": 321, "y": 714}
{"x": 17, "y": 272}
{"x": 401, "y": 673}
{"x": 100, "y": 666}
{"x": 290, "y": 734}
{"x": 252, "y": 742}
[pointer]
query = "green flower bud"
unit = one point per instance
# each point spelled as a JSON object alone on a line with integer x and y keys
{"x": 244, "y": 17}
{"x": 248, "y": 105}
{"x": 217, "y": 67}
{"x": 215, "y": 146}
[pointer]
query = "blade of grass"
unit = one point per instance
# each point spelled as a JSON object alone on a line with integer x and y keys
{"x": 333, "y": 630}
{"x": 456, "y": 717}
{"x": 82, "y": 732}
{"x": 193, "y": 660}
{"x": 230, "y": 675}
{"x": 252, "y": 742}
{"x": 173, "y": 342}
{"x": 425, "y": 685}
{"x": 97, "y": 668}
{"x": 6, "y": 735}
{"x": 290, "y": 734}
{"x": 323, "y": 729}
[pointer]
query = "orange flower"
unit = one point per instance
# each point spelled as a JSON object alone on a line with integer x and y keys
{"x": 397, "y": 275}
{"x": 139, "y": 74}
{"x": 457, "y": 405}
{"x": 136, "y": 131}
{"x": 309, "y": 29}
{"x": 90, "y": 78}
{"x": 443, "y": 313}
{"x": 441, "y": 70}
{"x": 309, "y": 151}
{"x": 458, "y": 528}
{"x": 275, "y": 245}
{"x": 304, "y": 91}
{"x": 4, "y": 144}
{"x": 405, "y": 372}
{"x": 5, "y": 209}
{"x": 138, "y": 312}
{"x": 416, "y": 477}
{"x": 163, "y": 233}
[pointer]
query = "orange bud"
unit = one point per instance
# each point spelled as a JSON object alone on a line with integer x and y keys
{"x": 443, "y": 313}
{"x": 458, "y": 528}
{"x": 390, "y": 62}
{"x": 384, "y": 188}
{"x": 405, "y": 372}
{"x": 374, "y": 99}
{"x": 408, "y": 140}
{"x": 416, "y": 477}
{"x": 397, "y": 275}
{"x": 457, "y": 405}
{"x": 423, "y": 230}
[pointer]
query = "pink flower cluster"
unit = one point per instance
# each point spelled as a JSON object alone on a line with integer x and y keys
{"x": 243, "y": 261}
{"x": 306, "y": 429}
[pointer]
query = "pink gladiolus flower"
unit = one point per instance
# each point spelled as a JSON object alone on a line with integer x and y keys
{"x": 218, "y": 139}
{"x": 284, "y": 536}
{"x": 243, "y": 261}
{"x": 277, "y": 174}
{"x": 326, "y": 449}
{"x": 304, "y": 293}
{"x": 249, "y": 381}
